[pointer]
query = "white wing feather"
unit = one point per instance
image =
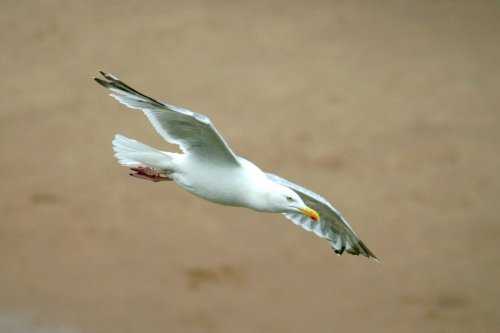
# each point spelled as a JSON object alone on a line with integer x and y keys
{"x": 193, "y": 132}
{"x": 332, "y": 225}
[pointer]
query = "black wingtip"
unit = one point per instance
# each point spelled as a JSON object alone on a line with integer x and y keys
{"x": 339, "y": 252}
{"x": 372, "y": 256}
{"x": 377, "y": 260}
{"x": 101, "y": 82}
{"x": 365, "y": 251}
{"x": 358, "y": 250}
{"x": 108, "y": 76}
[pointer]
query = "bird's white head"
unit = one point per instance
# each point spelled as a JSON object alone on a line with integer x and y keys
{"x": 286, "y": 200}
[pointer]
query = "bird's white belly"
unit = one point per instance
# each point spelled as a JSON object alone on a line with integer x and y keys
{"x": 225, "y": 186}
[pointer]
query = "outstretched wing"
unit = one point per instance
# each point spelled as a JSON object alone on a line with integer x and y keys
{"x": 332, "y": 225}
{"x": 193, "y": 132}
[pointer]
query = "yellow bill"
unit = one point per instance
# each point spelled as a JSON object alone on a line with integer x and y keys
{"x": 310, "y": 212}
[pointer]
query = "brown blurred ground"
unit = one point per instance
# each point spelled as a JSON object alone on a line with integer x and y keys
{"x": 389, "y": 109}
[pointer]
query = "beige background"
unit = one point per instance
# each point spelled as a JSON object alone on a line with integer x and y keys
{"x": 389, "y": 109}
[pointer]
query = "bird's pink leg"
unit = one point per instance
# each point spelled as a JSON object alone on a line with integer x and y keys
{"x": 151, "y": 174}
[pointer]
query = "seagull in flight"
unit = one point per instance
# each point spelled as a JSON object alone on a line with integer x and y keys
{"x": 208, "y": 168}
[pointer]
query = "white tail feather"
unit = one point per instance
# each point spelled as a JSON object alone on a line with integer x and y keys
{"x": 132, "y": 153}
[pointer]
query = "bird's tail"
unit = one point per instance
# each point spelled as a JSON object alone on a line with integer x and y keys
{"x": 132, "y": 153}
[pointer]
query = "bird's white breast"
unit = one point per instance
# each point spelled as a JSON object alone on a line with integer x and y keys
{"x": 223, "y": 184}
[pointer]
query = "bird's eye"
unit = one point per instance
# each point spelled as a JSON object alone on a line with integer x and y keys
{"x": 289, "y": 198}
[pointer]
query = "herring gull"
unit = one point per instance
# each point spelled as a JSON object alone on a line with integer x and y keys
{"x": 208, "y": 168}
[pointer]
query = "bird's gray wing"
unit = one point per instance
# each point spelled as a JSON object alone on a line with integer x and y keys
{"x": 193, "y": 132}
{"x": 332, "y": 225}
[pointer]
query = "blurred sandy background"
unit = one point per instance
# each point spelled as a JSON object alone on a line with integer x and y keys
{"x": 389, "y": 109}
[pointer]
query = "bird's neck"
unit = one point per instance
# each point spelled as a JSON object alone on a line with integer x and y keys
{"x": 262, "y": 198}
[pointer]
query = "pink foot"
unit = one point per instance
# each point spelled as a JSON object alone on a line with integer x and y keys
{"x": 151, "y": 174}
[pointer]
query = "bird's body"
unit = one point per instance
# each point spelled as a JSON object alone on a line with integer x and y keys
{"x": 209, "y": 169}
{"x": 240, "y": 184}
{"x": 227, "y": 186}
